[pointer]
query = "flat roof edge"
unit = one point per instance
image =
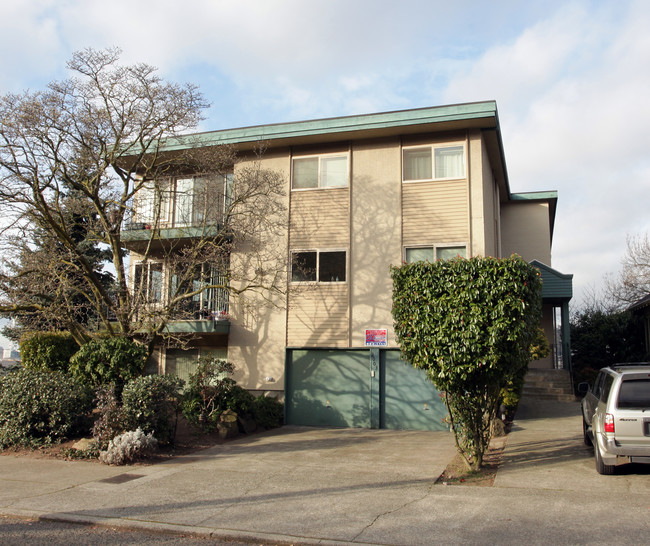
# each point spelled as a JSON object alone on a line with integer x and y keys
{"x": 534, "y": 196}
{"x": 345, "y": 124}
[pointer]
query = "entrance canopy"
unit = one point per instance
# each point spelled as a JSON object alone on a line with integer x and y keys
{"x": 557, "y": 290}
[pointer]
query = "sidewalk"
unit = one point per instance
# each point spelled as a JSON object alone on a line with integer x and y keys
{"x": 342, "y": 486}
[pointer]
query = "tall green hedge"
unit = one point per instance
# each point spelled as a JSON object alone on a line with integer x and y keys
{"x": 40, "y": 407}
{"x": 47, "y": 350}
{"x": 108, "y": 360}
{"x": 470, "y": 324}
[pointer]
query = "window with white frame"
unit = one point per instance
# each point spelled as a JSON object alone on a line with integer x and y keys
{"x": 433, "y": 162}
{"x": 208, "y": 286}
{"x": 323, "y": 171}
{"x": 148, "y": 281}
{"x": 318, "y": 266}
{"x": 432, "y": 253}
{"x": 182, "y": 202}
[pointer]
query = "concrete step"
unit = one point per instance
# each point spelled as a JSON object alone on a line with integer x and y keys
{"x": 548, "y": 385}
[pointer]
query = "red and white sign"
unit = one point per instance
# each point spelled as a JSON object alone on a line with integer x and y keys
{"x": 377, "y": 338}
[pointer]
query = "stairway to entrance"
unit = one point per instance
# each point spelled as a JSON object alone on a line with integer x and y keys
{"x": 548, "y": 385}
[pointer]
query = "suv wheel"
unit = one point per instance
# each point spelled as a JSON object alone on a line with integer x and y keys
{"x": 585, "y": 433}
{"x": 601, "y": 467}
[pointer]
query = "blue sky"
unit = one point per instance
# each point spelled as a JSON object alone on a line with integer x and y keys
{"x": 571, "y": 80}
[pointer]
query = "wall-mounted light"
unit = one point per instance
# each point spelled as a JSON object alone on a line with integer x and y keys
{"x": 269, "y": 379}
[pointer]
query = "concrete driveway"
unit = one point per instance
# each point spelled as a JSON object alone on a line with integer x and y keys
{"x": 545, "y": 451}
{"x": 349, "y": 486}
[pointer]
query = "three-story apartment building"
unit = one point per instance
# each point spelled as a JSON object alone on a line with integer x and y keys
{"x": 362, "y": 193}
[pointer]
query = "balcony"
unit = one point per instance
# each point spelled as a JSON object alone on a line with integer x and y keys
{"x": 134, "y": 234}
{"x": 178, "y": 208}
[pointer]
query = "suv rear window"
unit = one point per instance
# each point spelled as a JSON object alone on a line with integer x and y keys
{"x": 634, "y": 393}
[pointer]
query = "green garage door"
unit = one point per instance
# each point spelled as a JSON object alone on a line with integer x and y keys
{"x": 369, "y": 388}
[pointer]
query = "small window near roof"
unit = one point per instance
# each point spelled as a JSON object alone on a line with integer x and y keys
{"x": 433, "y": 163}
{"x": 330, "y": 171}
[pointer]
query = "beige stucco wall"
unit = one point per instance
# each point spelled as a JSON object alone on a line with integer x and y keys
{"x": 525, "y": 230}
{"x": 376, "y": 236}
{"x": 258, "y": 328}
{"x": 483, "y": 200}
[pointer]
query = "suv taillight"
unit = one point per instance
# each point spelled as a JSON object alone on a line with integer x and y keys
{"x": 609, "y": 422}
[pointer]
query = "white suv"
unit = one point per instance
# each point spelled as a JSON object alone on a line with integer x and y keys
{"x": 616, "y": 416}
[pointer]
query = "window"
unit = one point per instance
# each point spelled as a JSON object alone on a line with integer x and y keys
{"x": 431, "y": 253}
{"x": 432, "y": 163}
{"x": 318, "y": 266}
{"x": 208, "y": 285}
{"x": 329, "y": 171}
{"x": 182, "y": 202}
{"x": 634, "y": 393}
{"x": 148, "y": 281}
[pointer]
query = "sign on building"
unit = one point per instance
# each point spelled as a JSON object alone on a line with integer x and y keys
{"x": 377, "y": 338}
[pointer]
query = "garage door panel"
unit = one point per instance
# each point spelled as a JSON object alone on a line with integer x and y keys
{"x": 409, "y": 399}
{"x": 328, "y": 388}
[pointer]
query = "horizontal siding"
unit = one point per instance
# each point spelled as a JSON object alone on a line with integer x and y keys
{"x": 320, "y": 219}
{"x": 318, "y": 316}
{"x": 435, "y": 212}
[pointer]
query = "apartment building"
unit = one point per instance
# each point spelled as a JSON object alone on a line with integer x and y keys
{"x": 362, "y": 193}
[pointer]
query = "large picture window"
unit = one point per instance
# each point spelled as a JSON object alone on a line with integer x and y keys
{"x": 433, "y": 162}
{"x": 318, "y": 266}
{"x": 327, "y": 171}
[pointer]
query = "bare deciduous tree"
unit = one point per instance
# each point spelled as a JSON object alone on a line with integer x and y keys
{"x": 633, "y": 282}
{"x": 99, "y": 165}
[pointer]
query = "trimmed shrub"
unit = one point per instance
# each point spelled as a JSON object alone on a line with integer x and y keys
{"x": 47, "y": 351}
{"x": 151, "y": 403}
{"x": 38, "y": 408}
{"x": 207, "y": 394}
{"x": 129, "y": 447}
{"x": 114, "y": 360}
{"x": 268, "y": 412}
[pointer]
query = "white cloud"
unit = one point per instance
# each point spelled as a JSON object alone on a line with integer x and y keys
{"x": 570, "y": 79}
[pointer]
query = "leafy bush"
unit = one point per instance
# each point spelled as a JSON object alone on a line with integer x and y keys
{"x": 470, "y": 324}
{"x": 239, "y": 400}
{"x": 39, "y": 407}
{"x": 104, "y": 361}
{"x": 151, "y": 403}
{"x": 47, "y": 351}
{"x": 268, "y": 412}
{"x": 207, "y": 394}
{"x": 128, "y": 448}
{"x": 111, "y": 421}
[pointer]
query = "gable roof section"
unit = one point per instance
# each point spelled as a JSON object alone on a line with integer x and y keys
{"x": 556, "y": 287}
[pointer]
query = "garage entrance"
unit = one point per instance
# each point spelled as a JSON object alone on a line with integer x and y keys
{"x": 367, "y": 388}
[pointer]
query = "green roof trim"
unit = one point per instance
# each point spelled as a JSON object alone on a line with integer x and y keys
{"x": 534, "y": 196}
{"x": 556, "y": 287}
{"x": 345, "y": 124}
